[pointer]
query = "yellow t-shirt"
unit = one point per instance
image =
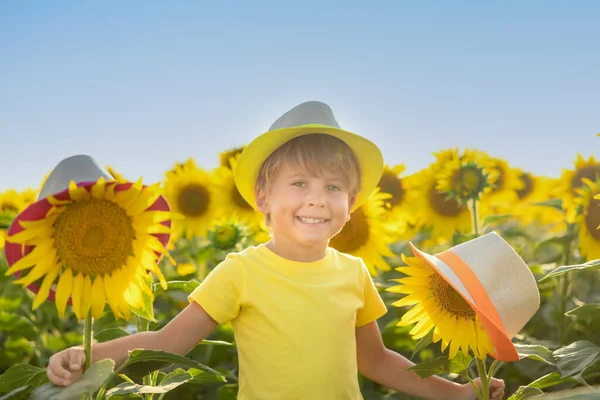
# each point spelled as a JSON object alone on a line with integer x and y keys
{"x": 294, "y": 322}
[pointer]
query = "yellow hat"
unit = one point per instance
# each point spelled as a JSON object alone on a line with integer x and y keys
{"x": 305, "y": 119}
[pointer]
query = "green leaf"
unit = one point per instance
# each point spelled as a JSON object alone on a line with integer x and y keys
{"x": 459, "y": 363}
{"x": 581, "y": 393}
{"x": 536, "y": 352}
{"x": 441, "y": 365}
{"x": 47, "y": 392}
{"x": 17, "y": 394}
{"x": 227, "y": 392}
{"x": 587, "y": 312}
{"x": 185, "y": 286}
{"x": 169, "y": 383}
{"x": 423, "y": 343}
{"x": 216, "y": 343}
{"x": 576, "y": 357}
{"x": 567, "y": 268}
{"x": 553, "y": 379}
{"x": 110, "y": 334}
{"x": 22, "y": 375}
{"x": 146, "y": 361}
{"x": 489, "y": 219}
{"x": 17, "y": 324}
{"x": 525, "y": 393}
{"x": 554, "y": 203}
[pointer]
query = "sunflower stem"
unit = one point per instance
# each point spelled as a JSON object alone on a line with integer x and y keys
{"x": 474, "y": 217}
{"x": 88, "y": 331}
{"x": 485, "y": 381}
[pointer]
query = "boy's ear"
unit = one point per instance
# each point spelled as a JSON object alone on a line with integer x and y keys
{"x": 261, "y": 202}
{"x": 351, "y": 202}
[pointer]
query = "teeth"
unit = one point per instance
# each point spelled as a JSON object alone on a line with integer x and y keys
{"x": 311, "y": 220}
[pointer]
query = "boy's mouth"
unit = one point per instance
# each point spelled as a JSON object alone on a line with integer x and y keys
{"x": 308, "y": 220}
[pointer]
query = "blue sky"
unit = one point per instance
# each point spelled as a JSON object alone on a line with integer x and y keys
{"x": 141, "y": 85}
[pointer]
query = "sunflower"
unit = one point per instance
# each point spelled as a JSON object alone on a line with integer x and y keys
{"x": 587, "y": 204}
{"x": 438, "y": 306}
{"x": 231, "y": 202}
{"x": 226, "y": 157}
{"x": 97, "y": 243}
{"x": 11, "y": 204}
{"x": 434, "y": 210}
{"x": 536, "y": 189}
{"x": 572, "y": 179}
{"x": 463, "y": 179}
{"x": 115, "y": 174}
{"x": 367, "y": 234}
{"x": 402, "y": 195}
{"x": 189, "y": 191}
{"x": 505, "y": 185}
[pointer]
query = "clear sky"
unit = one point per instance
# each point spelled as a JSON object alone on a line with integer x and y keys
{"x": 141, "y": 85}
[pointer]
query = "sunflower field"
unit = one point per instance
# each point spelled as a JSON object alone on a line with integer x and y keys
{"x": 552, "y": 222}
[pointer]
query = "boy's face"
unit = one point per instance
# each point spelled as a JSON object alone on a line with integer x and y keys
{"x": 304, "y": 209}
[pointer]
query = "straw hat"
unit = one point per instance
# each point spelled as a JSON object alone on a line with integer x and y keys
{"x": 84, "y": 171}
{"x": 497, "y": 284}
{"x": 305, "y": 119}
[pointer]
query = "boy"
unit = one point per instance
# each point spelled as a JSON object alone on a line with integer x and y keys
{"x": 304, "y": 314}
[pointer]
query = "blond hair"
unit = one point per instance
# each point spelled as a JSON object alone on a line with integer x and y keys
{"x": 314, "y": 153}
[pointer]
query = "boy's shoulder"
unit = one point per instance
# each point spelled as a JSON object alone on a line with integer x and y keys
{"x": 348, "y": 259}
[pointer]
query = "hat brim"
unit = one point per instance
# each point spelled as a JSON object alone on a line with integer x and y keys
{"x": 38, "y": 210}
{"x": 248, "y": 165}
{"x": 458, "y": 274}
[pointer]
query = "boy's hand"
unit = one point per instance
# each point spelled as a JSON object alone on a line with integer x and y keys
{"x": 468, "y": 392}
{"x": 66, "y": 367}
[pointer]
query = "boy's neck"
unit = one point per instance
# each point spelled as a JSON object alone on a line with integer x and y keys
{"x": 296, "y": 252}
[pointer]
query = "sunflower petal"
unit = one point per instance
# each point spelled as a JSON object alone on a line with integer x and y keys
{"x": 86, "y": 295}
{"x": 98, "y": 297}
{"x": 63, "y": 291}
{"x": 76, "y": 296}
{"x": 44, "y": 290}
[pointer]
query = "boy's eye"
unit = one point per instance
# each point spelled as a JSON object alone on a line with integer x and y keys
{"x": 299, "y": 184}
{"x": 332, "y": 187}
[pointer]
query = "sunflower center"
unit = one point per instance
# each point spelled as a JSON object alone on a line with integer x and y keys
{"x": 443, "y": 206}
{"x": 225, "y": 236}
{"x": 499, "y": 184}
{"x": 449, "y": 299}
{"x": 468, "y": 180}
{"x": 353, "y": 235}
{"x": 592, "y": 218}
{"x": 591, "y": 172}
{"x": 527, "y": 186}
{"x": 10, "y": 207}
{"x": 94, "y": 237}
{"x": 239, "y": 200}
{"x": 193, "y": 200}
{"x": 391, "y": 184}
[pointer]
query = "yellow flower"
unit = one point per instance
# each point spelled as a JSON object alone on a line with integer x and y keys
{"x": 572, "y": 179}
{"x": 189, "y": 191}
{"x": 97, "y": 243}
{"x": 367, "y": 234}
{"x": 402, "y": 195}
{"x": 11, "y": 204}
{"x": 463, "y": 179}
{"x": 588, "y": 218}
{"x": 506, "y": 183}
{"x": 226, "y": 157}
{"x": 230, "y": 201}
{"x": 115, "y": 174}
{"x": 537, "y": 189}
{"x": 438, "y": 306}
{"x": 435, "y": 211}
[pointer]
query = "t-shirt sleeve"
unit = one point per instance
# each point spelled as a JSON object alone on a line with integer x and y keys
{"x": 373, "y": 307}
{"x": 220, "y": 293}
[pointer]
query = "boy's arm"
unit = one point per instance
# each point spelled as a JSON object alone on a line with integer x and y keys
{"x": 179, "y": 336}
{"x": 386, "y": 367}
